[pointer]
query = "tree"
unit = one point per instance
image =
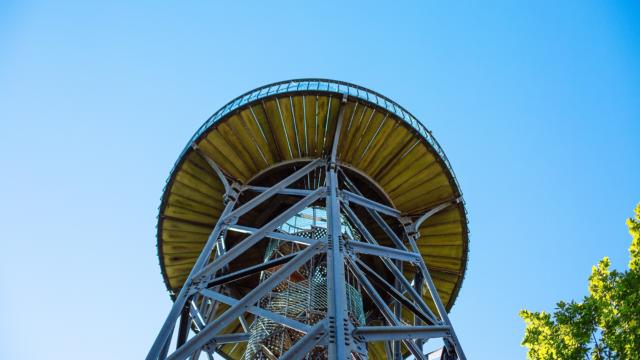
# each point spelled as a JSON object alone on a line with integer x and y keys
{"x": 605, "y": 325}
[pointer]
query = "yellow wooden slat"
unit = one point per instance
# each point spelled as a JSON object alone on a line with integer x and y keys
{"x": 380, "y": 142}
{"x": 415, "y": 178}
{"x": 284, "y": 113}
{"x": 227, "y": 165}
{"x": 406, "y": 167}
{"x": 278, "y": 131}
{"x": 203, "y": 207}
{"x": 299, "y": 112}
{"x": 350, "y": 112}
{"x": 312, "y": 105}
{"x": 365, "y": 140}
{"x": 442, "y": 251}
{"x": 197, "y": 184}
{"x": 259, "y": 115}
{"x": 244, "y": 140}
{"x": 323, "y": 109}
{"x": 398, "y": 142}
{"x": 188, "y": 191}
{"x": 416, "y": 204}
{"x": 196, "y": 165}
{"x": 257, "y": 135}
{"x": 358, "y": 126}
{"x": 451, "y": 214}
{"x": 174, "y": 236}
{"x": 220, "y": 138}
{"x": 189, "y": 215}
{"x": 423, "y": 188}
{"x": 176, "y": 225}
{"x": 440, "y": 229}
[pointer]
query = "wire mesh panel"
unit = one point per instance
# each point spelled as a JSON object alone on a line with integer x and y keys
{"x": 302, "y": 297}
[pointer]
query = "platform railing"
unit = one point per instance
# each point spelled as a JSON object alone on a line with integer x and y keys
{"x": 328, "y": 86}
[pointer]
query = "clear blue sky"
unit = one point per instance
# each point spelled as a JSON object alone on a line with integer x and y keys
{"x": 537, "y": 107}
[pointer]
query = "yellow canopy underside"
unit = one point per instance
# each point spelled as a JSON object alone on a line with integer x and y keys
{"x": 262, "y": 134}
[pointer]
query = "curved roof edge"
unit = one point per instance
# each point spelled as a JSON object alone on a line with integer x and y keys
{"x": 329, "y": 86}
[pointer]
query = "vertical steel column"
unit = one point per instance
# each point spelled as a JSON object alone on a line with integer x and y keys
{"x": 336, "y": 288}
{"x": 417, "y": 285}
{"x": 338, "y": 317}
{"x": 397, "y": 311}
{"x": 185, "y": 323}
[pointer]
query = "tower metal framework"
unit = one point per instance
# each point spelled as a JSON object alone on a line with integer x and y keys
{"x": 311, "y": 236}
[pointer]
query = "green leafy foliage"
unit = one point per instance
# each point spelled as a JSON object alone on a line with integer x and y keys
{"x": 604, "y": 325}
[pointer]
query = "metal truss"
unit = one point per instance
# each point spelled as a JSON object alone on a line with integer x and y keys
{"x": 196, "y": 310}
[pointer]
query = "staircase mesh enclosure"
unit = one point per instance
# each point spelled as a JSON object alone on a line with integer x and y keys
{"x": 301, "y": 297}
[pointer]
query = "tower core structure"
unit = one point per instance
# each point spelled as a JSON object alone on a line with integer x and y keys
{"x": 311, "y": 219}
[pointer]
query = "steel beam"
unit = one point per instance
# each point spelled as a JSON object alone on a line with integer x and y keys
{"x": 165, "y": 348}
{"x": 181, "y": 299}
{"x": 373, "y": 275}
{"x": 348, "y": 196}
{"x": 385, "y": 310}
{"x": 389, "y": 264}
{"x": 397, "y": 308}
{"x": 386, "y": 333}
{"x": 214, "y": 167}
{"x": 442, "y": 311}
{"x": 183, "y": 328}
{"x": 337, "y": 312}
{"x": 376, "y": 217}
{"x": 217, "y": 325}
{"x": 284, "y": 191}
{"x": 252, "y": 239}
{"x": 231, "y": 338}
{"x": 255, "y": 269}
{"x": 196, "y": 316}
{"x": 276, "y": 188}
{"x": 272, "y": 234}
{"x": 434, "y": 211}
{"x": 336, "y": 288}
{"x": 382, "y": 251}
{"x": 417, "y": 288}
{"x": 280, "y": 319}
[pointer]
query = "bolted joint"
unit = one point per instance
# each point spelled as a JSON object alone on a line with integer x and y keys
{"x": 349, "y": 252}
{"x": 229, "y": 197}
{"x": 332, "y": 329}
{"x": 343, "y": 197}
{"x": 341, "y": 243}
{"x": 197, "y": 285}
{"x": 409, "y": 227}
{"x": 405, "y": 221}
{"x": 448, "y": 351}
{"x": 236, "y": 187}
{"x": 232, "y": 193}
{"x": 359, "y": 345}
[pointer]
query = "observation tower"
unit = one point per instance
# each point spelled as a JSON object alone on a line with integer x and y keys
{"x": 310, "y": 219}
